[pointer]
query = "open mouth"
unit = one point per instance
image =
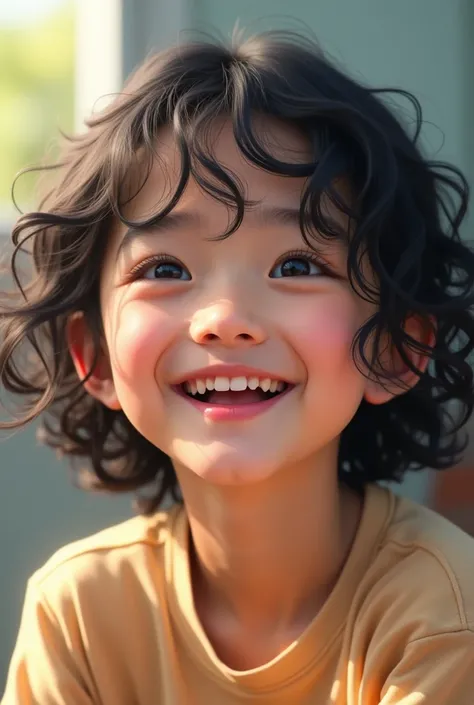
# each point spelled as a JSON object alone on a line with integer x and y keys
{"x": 233, "y": 391}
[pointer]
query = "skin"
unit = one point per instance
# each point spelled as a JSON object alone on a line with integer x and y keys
{"x": 271, "y": 527}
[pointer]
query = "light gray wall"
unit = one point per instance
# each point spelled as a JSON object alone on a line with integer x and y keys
{"x": 420, "y": 46}
{"x": 424, "y": 46}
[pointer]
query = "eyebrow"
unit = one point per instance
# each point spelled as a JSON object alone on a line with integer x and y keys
{"x": 178, "y": 220}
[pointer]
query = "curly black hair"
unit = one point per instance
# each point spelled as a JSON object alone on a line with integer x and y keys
{"x": 406, "y": 213}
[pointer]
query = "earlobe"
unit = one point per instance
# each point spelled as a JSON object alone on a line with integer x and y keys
{"x": 99, "y": 384}
{"x": 401, "y": 378}
{"x": 380, "y": 392}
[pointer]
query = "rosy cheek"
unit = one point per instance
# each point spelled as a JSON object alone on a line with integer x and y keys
{"x": 141, "y": 333}
{"x": 326, "y": 333}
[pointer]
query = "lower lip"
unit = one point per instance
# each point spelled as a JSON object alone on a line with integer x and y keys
{"x": 227, "y": 412}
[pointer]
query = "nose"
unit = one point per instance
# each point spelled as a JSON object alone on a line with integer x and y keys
{"x": 222, "y": 323}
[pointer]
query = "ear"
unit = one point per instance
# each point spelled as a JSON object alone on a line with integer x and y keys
{"x": 402, "y": 377}
{"x": 100, "y": 383}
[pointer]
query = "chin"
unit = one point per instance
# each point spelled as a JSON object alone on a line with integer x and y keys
{"x": 229, "y": 468}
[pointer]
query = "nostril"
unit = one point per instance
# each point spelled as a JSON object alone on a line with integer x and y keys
{"x": 211, "y": 337}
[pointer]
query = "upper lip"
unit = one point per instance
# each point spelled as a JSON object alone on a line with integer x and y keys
{"x": 229, "y": 371}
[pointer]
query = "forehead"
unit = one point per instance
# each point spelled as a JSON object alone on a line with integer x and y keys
{"x": 283, "y": 141}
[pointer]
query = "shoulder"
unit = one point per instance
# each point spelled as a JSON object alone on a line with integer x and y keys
{"x": 422, "y": 577}
{"x": 101, "y": 560}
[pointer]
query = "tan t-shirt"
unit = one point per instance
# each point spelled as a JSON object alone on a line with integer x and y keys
{"x": 110, "y": 620}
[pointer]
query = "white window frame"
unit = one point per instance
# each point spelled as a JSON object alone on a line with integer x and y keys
{"x": 113, "y": 37}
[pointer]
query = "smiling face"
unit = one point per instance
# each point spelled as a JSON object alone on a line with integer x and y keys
{"x": 257, "y": 307}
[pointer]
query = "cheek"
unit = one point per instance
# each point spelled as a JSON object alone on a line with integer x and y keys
{"x": 324, "y": 334}
{"x": 137, "y": 338}
{"x": 335, "y": 387}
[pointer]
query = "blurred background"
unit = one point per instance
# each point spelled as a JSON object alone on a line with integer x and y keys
{"x": 60, "y": 58}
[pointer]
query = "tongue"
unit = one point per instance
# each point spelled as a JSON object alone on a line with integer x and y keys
{"x": 248, "y": 396}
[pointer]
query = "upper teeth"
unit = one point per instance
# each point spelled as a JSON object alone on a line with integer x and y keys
{"x": 235, "y": 384}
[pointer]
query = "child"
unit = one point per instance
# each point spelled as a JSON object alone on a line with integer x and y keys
{"x": 249, "y": 284}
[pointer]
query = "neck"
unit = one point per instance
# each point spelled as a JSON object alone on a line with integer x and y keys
{"x": 267, "y": 556}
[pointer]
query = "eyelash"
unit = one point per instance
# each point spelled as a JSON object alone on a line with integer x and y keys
{"x": 140, "y": 268}
{"x": 311, "y": 256}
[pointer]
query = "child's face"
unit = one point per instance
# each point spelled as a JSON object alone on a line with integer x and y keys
{"x": 227, "y": 303}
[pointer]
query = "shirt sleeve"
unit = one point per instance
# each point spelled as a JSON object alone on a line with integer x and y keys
{"x": 46, "y": 666}
{"x": 435, "y": 670}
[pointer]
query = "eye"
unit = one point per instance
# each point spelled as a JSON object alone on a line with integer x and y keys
{"x": 297, "y": 264}
{"x": 161, "y": 267}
